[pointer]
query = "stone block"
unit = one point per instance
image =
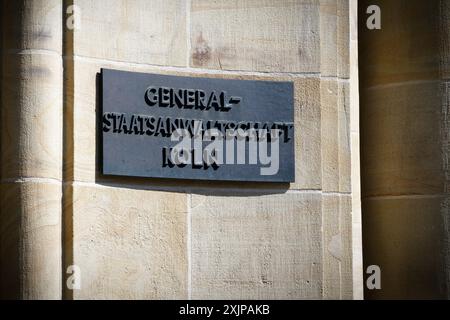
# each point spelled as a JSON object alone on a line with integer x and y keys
{"x": 129, "y": 243}
{"x": 268, "y": 35}
{"x": 137, "y": 31}
{"x": 256, "y": 247}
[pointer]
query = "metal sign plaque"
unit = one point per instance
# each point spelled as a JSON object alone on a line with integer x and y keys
{"x": 196, "y": 128}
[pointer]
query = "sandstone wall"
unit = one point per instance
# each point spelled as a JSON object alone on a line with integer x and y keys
{"x": 156, "y": 238}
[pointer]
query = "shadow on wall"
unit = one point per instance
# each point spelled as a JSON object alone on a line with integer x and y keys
{"x": 218, "y": 188}
{"x": 404, "y": 193}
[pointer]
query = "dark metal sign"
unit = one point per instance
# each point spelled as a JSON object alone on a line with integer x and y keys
{"x": 196, "y": 128}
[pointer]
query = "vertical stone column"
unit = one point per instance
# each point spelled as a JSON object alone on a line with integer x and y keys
{"x": 335, "y": 149}
{"x": 31, "y": 149}
{"x": 357, "y": 260}
{"x": 404, "y": 148}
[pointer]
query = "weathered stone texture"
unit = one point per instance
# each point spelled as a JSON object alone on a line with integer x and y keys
{"x": 279, "y": 36}
{"x": 129, "y": 244}
{"x": 132, "y": 241}
{"x": 30, "y": 237}
{"x": 256, "y": 247}
{"x": 132, "y": 31}
{"x": 31, "y": 149}
{"x": 32, "y": 119}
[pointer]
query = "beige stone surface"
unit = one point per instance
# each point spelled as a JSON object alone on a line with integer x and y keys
{"x": 343, "y": 39}
{"x": 139, "y": 31}
{"x": 32, "y": 116}
{"x": 335, "y": 121}
{"x": 129, "y": 243}
{"x": 347, "y": 250}
{"x": 32, "y": 25}
{"x": 357, "y": 248}
{"x": 337, "y": 246}
{"x": 308, "y": 135}
{"x": 256, "y": 247}
{"x": 357, "y": 261}
{"x": 328, "y": 38}
{"x": 258, "y": 244}
{"x": 31, "y": 149}
{"x": 30, "y": 231}
{"x": 329, "y": 90}
{"x": 334, "y": 38}
{"x": 344, "y": 107}
{"x": 345, "y": 161}
{"x": 264, "y": 35}
{"x": 198, "y": 240}
{"x": 332, "y": 247}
